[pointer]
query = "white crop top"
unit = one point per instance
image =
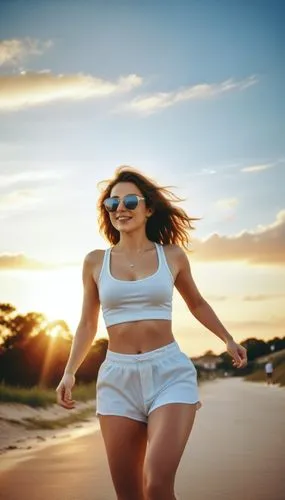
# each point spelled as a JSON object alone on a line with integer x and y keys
{"x": 146, "y": 298}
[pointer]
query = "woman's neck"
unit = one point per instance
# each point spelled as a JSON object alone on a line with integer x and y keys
{"x": 136, "y": 244}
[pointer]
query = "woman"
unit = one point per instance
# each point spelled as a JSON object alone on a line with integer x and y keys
{"x": 146, "y": 387}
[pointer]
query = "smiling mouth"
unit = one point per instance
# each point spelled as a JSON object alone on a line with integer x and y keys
{"x": 123, "y": 219}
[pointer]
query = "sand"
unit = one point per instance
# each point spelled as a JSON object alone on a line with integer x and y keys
{"x": 16, "y": 437}
{"x": 235, "y": 451}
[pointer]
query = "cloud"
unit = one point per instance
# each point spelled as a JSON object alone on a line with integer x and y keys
{"x": 257, "y": 168}
{"x": 19, "y": 199}
{"x": 265, "y": 245}
{"x": 227, "y": 203}
{"x": 26, "y": 89}
{"x": 29, "y": 176}
{"x": 247, "y": 298}
{"x": 15, "y": 50}
{"x": 155, "y": 102}
{"x": 20, "y": 261}
{"x": 263, "y": 324}
{"x": 263, "y": 297}
{"x": 217, "y": 298}
{"x": 202, "y": 172}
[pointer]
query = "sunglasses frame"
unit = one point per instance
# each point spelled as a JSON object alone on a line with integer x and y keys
{"x": 138, "y": 198}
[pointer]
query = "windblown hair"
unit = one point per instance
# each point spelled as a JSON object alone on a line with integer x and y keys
{"x": 168, "y": 224}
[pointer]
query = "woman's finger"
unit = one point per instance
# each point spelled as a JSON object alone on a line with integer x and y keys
{"x": 67, "y": 394}
{"x": 66, "y": 402}
{"x": 60, "y": 392}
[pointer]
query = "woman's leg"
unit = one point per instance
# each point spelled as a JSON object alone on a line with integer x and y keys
{"x": 125, "y": 441}
{"x": 169, "y": 427}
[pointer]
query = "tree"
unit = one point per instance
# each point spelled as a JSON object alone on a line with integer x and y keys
{"x": 34, "y": 350}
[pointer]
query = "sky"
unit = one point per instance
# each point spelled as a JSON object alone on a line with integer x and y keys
{"x": 189, "y": 92}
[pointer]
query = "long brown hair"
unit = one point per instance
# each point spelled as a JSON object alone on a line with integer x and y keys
{"x": 168, "y": 224}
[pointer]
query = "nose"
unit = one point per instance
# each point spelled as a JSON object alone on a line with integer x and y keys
{"x": 121, "y": 206}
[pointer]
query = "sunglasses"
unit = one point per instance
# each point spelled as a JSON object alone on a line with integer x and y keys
{"x": 130, "y": 202}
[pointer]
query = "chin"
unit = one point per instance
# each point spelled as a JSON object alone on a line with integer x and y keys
{"x": 125, "y": 229}
{"x": 129, "y": 229}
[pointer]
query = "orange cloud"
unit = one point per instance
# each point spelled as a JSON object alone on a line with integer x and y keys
{"x": 20, "y": 261}
{"x": 217, "y": 298}
{"x": 265, "y": 245}
{"x": 262, "y": 297}
{"x": 26, "y": 89}
{"x": 266, "y": 325}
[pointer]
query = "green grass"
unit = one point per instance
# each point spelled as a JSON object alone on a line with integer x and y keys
{"x": 60, "y": 423}
{"x": 42, "y": 398}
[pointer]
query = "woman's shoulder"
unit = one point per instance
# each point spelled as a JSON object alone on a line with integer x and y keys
{"x": 175, "y": 257}
{"x": 94, "y": 261}
{"x": 94, "y": 255}
{"x": 173, "y": 249}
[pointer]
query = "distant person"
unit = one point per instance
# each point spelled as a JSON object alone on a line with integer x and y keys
{"x": 269, "y": 372}
{"x": 147, "y": 390}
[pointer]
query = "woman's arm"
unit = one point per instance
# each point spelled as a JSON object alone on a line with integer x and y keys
{"x": 87, "y": 326}
{"x": 202, "y": 311}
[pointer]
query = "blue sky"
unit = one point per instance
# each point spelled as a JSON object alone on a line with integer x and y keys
{"x": 190, "y": 92}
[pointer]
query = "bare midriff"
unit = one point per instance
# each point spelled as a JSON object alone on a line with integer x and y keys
{"x": 137, "y": 337}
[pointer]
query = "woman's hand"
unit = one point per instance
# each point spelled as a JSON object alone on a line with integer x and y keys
{"x": 63, "y": 391}
{"x": 238, "y": 353}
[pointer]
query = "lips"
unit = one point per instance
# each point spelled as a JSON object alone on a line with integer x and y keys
{"x": 123, "y": 218}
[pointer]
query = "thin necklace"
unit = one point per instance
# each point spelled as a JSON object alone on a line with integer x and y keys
{"x": 140, "y": 253}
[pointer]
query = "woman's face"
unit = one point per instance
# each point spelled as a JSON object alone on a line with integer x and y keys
{"x": 124, "y": 219}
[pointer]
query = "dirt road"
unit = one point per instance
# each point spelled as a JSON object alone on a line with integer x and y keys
{"x": 235, "y": 452}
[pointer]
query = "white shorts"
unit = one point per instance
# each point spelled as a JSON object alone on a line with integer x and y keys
{"x": 133, "y": 385}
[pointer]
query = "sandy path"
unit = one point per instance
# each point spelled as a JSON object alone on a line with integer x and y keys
{"x": 236, "y": 451}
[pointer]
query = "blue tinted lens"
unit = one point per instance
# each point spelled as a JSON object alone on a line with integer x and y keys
{"x": 111, "y": 204}
{"x": 130, "y": 201}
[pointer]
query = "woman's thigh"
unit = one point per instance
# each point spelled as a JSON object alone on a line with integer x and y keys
{"x": 125, "y": 442}
{"x": 169, "y": 427}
